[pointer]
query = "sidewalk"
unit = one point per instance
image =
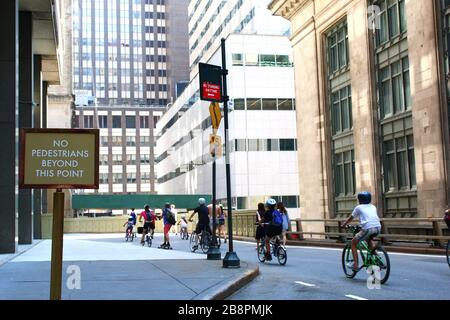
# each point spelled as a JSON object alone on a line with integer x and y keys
{"x": 111, "y": 268}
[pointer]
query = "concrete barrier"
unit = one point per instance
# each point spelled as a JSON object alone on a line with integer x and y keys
{"x": 98, "y": 225}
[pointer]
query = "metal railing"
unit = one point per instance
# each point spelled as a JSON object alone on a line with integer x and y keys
{"x": 423, "y": 229}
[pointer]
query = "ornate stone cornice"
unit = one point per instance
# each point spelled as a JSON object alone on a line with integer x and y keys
{"x": 286, "y": 8}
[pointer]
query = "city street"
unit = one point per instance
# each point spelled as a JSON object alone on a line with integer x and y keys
{"x": 106, "y": 261}
{"x": 316, "y": 273}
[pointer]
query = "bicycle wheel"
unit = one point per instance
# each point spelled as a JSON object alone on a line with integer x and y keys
{"x": 282, "y": 255}
{"x": 193, "y": 242}
{"x": 448, "y": 253}
{"x": 383, "y": 262}
{"x": 205, "y": 240}
{"x": 347, "y": 262}
{"x": 262, "y": 253}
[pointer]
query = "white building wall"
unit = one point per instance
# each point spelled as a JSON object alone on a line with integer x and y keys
{"x": 253, "y": 174}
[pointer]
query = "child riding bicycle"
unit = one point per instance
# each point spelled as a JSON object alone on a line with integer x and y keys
{"x": 130, "y": 224}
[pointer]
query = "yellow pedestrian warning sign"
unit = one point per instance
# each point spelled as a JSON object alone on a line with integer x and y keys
{"x": 216, "y": 116}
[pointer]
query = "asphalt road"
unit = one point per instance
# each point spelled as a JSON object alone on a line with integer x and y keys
{"x": 316, "y": 274}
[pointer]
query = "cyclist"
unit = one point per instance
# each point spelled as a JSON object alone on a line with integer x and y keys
{"x": 370, "y": 224}
{"x": 149, "y": 222}
{"x": 273, "y": 224}
{"x": 203, "y": 217}
{"x": 183, "y": 225}
{"x": 130, "y": 224}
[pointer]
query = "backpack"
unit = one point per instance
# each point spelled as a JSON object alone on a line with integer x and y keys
{"x": 170, "y": 217}
{"x": 277, "y": 219}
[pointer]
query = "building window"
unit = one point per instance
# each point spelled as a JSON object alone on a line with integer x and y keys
{"x": 104, "y": 141}
{"x": 341, "y": 110}
{"x": 103, "y": 122}
{"x": 117, "y": 178}
{"x": 285, "y": 104}
{"x": 394, "y": 103}
{"x": 88, "y": 121}
{"x": 116, "y": 159}
{"x": 145, "y": 177}
{"x": 103, "y": 178}
{"x": 267, "y": 60}
{"x": 240, "y": 145}
{"x": 131, "y": 177}
{"x": 288, "y": 145}
{"x": 337, "y": 41}
{"x": 239, "y": 104}
{"x": 395, "y": 91}
{"x": 392, "y": 19}
{"x": 144, "y": 122}
{"x": 104, "y": 160}
{"x": 144, "y": 141}
{"x": 130, "y": 122}
{"x": 253, "y": 104}
{"x": 116, "y": 141}
{"x": 145, "y": 159}
{"x": 269, "y": 104}
{"x": 131, "y": 141}
{"x": 131, "y": 159}
{"x": 117, "y": 122}
{"x": 237, "y": 59}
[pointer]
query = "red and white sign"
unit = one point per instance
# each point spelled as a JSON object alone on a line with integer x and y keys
{"x": 211, "y": 91}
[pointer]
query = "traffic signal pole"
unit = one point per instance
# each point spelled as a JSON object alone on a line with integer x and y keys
{"x": 231, "y": 259}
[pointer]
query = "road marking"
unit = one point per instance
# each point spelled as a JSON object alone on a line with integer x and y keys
{"x": 305, "y": 284}
{"x": 355, "y": 297}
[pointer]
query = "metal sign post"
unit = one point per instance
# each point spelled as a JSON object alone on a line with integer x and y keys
{"x": 231, "y": 259}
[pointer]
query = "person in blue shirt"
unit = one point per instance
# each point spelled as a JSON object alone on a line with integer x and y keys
{"x": 133, "y": 216}
{"x": 168, "y": 220}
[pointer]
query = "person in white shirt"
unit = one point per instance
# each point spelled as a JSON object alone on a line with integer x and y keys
{"x": 370, "y": 224}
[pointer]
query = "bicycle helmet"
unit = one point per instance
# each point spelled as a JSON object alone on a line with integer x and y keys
{"x": 364, "y": 197}
{"x": 271, "y": 202}
{"x": 201, "y": 201}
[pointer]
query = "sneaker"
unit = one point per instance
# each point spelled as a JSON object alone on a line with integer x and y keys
{"x": 268, "y": 257}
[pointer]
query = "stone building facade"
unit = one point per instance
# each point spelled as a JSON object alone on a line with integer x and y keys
{"x": 372, "y": 105}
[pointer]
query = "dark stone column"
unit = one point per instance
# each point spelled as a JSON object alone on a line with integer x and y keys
{"x": 25, "y": 117}
{"x": 37, "y": 193}
{"x": 8, "y": 124}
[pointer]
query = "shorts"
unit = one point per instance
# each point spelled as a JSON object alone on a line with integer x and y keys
{"x": 260, "y": 233}
{"x": 200, "y": 227}
{"x": 167, "y": 228}
{"x": 273, "y": 230}
{"x": 367, "y": 234}
{"x": 149, "y": 225}
{"x": 221, "y": 222}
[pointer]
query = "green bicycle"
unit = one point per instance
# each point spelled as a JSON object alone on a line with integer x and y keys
{"x": 376, "y": 262}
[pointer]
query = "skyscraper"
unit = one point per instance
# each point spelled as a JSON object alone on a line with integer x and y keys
{"x": 128, "y": 56}
{"x": 129, "y": 52}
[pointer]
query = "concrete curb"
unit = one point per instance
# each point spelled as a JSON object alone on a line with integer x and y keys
{"x": 228, "y": 287}
{"x": 16, "y": 254}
